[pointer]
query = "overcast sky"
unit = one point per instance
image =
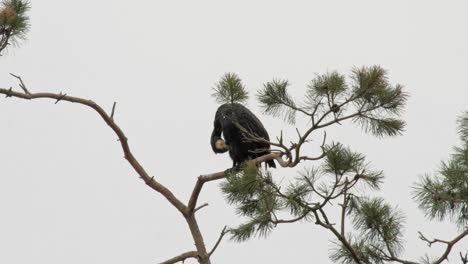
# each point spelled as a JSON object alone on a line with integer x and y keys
{"x": 68, "y": 196}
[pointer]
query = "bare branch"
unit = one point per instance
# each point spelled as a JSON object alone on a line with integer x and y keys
{"x": 449, "y": 244}
{"x": 287, "y": 221}
{"x": 150, "y": 181}
{"x": 223, "y": 232}
{"x": 250, "y": 136}
{"x": 61, "y": 96}
{"x": 430, "y": 242}
{"x": 113, "y": 110}
{"x": 200, "y": 207}
{"x": 8, "y": 93}
{"x": 155, "y": 185}
{"x": 181, "y": 257}
{"x": 21, "y": 84}
{"x": 464, "y": 259}
{"x": 313, "y": 158}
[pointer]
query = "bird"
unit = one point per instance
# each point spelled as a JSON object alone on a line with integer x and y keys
{"x": 230, "y": 120}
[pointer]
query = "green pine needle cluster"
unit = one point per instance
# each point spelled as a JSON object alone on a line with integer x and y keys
{"x": 445, "y": 195}
{"x": 342, "y": 161}
{"x": 379, "y": 102}
{"x": 376, "y": 235}
{"x": 463, "y": 126}
{"x": 251, "y": 192}
{"x": 14, "y": 23}
{"x": 380, "y": 232}
{"x": 369, "y": 100}
{"x": 330, "y": 85}
{"x": 260, "y": 199}
{"x": 296, "y": 196}
{"x": 275, "y": 100}
{"x": 380, "y": 224}
{"x": 230, "y": 90}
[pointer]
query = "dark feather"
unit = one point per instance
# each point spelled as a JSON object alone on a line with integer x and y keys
{"x": 228, "y": 118}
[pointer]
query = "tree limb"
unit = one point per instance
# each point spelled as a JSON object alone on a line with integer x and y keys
{"x": 181, "y": 257}
{"x": 449, "y": 244}
{"x": 223, "y": 232}
{"x": 150, "y": 181}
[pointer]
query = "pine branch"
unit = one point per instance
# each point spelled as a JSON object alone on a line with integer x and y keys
{"x": 275, "y": 100}
{"x": 449, "y": 244}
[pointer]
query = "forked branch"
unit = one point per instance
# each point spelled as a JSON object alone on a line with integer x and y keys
{"x": 449, "y": 244}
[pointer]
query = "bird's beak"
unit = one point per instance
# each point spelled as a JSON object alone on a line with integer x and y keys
{"x": 221, "y": 145}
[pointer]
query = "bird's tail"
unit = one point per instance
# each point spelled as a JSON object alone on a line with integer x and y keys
{"x": 271, "y": 164}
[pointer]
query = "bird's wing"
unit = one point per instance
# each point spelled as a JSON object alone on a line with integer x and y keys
{"x": 250, "y": 122}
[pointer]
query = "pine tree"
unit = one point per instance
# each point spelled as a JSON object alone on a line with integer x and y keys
{"x": 339, "y": 173}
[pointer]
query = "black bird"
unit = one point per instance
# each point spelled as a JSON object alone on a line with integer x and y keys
{"x": 228, "y": 118}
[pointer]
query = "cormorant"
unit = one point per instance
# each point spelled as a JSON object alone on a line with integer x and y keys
{"x": 228, "y": 118}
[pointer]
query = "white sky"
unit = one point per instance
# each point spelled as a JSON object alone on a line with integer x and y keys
{"x": 68, "y": 196}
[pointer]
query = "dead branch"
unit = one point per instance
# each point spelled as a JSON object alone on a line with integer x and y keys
{"x": 449, "y": 244}
{"x": 223, "y": 232}
{"x": 113, "y": 110}
{"x": 21, "y": 84}
{"x": 155, "y": 185}
{"x": 181, "y": 257}
{"x": 200, "y": 207}
{"x": 464, "y": 259}
{"x": 149, "y": 180}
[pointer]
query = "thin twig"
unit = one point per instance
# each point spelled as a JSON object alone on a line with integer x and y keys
{"x": 21, "y": 84}
{"x": 464, "y": 259}
{"x": 200, "y": 207}
{"x": 287, "y": 221}
{"x": 223, "y": 232}
{"x": 113, "y": 110}
{"x": 61, "y": 96}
